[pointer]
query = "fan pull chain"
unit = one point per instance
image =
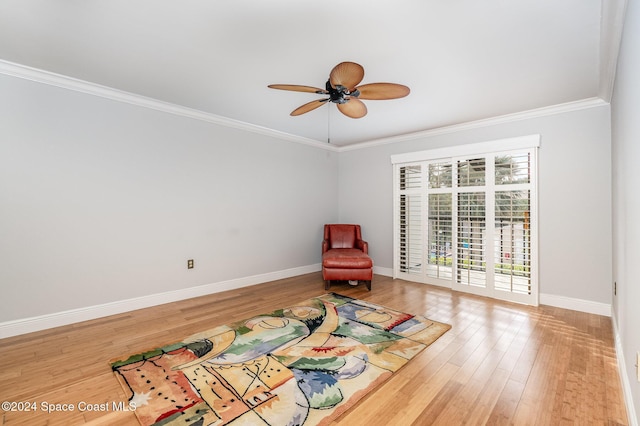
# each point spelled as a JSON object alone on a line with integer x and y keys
{"x": 328, "y": 125}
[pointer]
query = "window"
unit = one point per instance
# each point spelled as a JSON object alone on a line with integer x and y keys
{"x": 467, "y": 221}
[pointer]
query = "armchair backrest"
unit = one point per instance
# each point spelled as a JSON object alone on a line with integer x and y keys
{"x": 342, "y": 236}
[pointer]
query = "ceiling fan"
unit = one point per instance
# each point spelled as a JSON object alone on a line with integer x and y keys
{"x": 343, "y": 90}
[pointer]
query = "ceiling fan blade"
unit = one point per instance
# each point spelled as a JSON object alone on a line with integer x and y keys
{"x": 347, "y": 74}
{"x": 297, "y": 88}
{"x": 354, "y": 108}
{"x": 379, "y": 91}
{"x": 310, "y": 106}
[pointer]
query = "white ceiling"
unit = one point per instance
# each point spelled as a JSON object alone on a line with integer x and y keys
{"x": 464, "y": 60}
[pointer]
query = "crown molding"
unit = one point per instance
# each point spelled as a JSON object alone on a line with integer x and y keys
{"x": 70, "y": 83}
{"x": 502, "y": 119}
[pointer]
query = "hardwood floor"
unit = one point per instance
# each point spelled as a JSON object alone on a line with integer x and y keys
{"x": 500, "y": 363}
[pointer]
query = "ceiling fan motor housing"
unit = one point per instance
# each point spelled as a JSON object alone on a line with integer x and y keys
{"x": 340, "y": 94}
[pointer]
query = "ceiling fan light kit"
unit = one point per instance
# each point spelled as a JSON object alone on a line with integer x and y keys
{"x": 343, "y": 90}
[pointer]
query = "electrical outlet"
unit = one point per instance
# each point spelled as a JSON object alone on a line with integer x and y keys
{"x": 190, "y": 264}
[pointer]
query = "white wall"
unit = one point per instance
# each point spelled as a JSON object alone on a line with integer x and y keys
{"x": 626, "y": 199}
{"x": 574, "y": 218}
{"x": 102, "y": 201}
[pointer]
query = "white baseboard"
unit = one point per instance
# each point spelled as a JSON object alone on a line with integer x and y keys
{"x": 574, "y": 304}
{"x": 43, "y": 322}
{"x": 387, "y": 272}
{"x": 624, "y": 379}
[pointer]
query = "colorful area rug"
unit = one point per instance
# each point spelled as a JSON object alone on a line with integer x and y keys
{"x": 301, "y": 365}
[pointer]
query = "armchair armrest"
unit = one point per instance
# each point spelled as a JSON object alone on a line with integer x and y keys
{"x": 362, "y": 245}
{"x": 325, "y": 245}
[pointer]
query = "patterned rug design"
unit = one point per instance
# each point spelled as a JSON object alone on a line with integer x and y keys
{"x": 301, "y": 365}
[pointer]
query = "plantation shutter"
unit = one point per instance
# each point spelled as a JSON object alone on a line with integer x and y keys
{"x": 471, "y": 242}
{"x": 513, "y": 241}
{"x": 468, "y": 221}
{"x": 410, "y": 224}
{"x": 440, "y": 228}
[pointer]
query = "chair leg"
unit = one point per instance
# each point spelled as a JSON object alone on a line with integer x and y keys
{"x": 327, "y": 284}
{"x": 368, "y": 283}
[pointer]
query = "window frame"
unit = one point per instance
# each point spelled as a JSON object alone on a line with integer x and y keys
{"x": 491, "y": 149}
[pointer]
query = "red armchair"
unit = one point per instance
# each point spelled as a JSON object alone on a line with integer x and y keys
{"x": 345, "y": 255}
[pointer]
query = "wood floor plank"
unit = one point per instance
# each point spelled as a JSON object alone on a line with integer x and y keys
{"x": 501, "y": 363}
{"x": 481, "y": 409}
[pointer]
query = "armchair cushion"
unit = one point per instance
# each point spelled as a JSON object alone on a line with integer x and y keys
{"x": 347, "y": 258}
